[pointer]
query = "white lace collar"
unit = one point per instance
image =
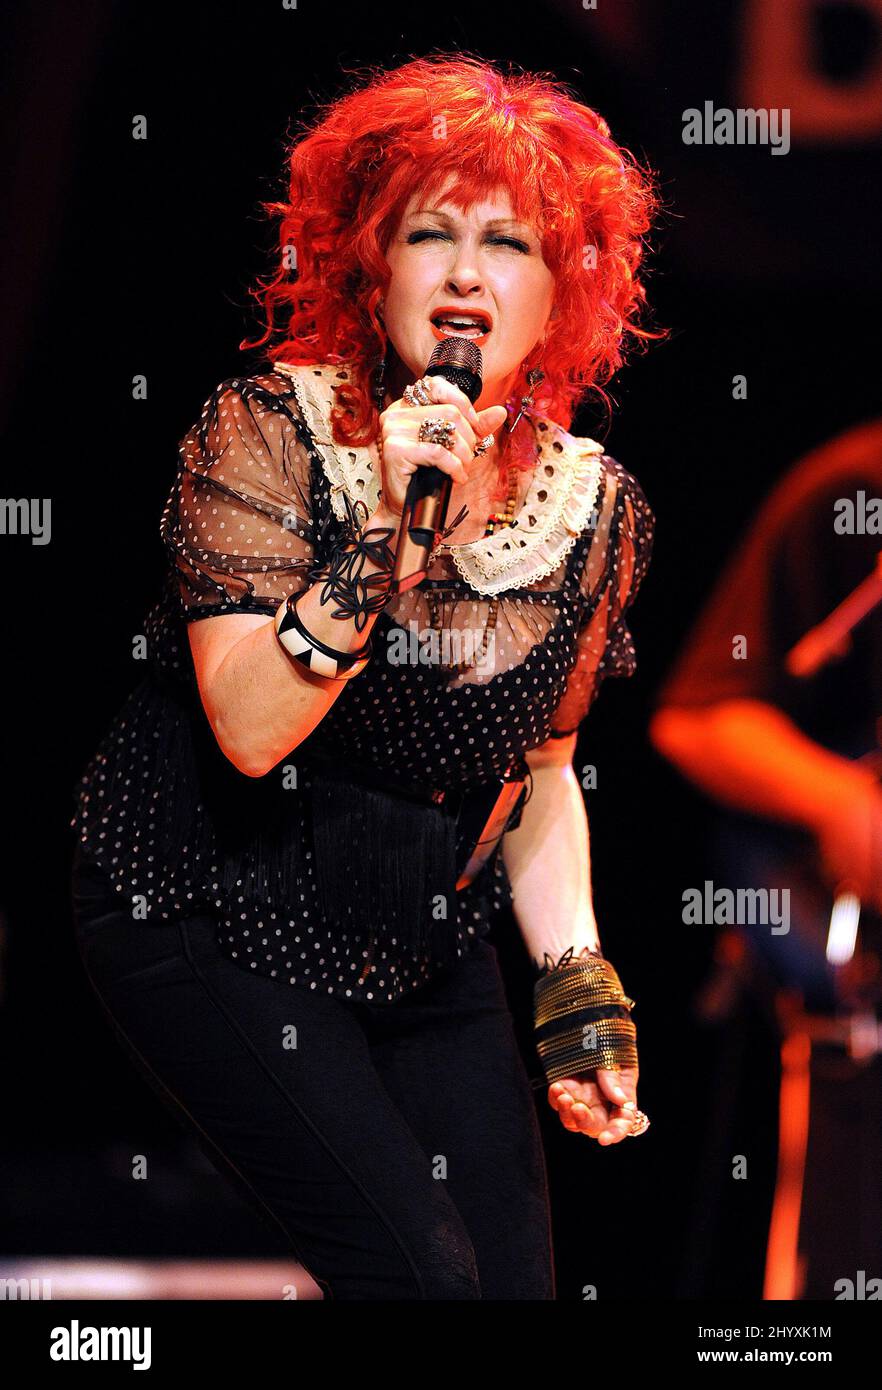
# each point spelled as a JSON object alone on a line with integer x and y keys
{"x": 558, "y": 507}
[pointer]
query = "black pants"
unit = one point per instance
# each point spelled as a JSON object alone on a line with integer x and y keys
{"x": 396, "y": 1145}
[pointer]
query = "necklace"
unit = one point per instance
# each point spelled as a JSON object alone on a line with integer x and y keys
{"x": 494, "y": 522}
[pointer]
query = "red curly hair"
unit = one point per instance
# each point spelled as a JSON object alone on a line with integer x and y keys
{"x": 408, "y": 131}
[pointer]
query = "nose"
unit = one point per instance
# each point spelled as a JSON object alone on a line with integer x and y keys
{"x": 464, "y": 278}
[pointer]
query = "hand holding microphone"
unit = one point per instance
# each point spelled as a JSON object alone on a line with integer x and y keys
{"x": 417, "y": 474}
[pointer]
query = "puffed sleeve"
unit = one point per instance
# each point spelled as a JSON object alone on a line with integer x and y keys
{"x": 617, "y": 561}
{"x": 238, "y": 524}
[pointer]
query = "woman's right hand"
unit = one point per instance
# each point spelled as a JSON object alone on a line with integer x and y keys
{"x": 403, "y": 452}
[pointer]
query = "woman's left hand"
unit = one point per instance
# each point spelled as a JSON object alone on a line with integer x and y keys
{"x": 600, "y": 1103}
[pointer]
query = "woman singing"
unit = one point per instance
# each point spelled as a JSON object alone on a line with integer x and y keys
{"x": 290, "y": 845}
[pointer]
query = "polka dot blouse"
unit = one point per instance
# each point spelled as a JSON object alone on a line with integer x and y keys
{"x": 255, "y": 504}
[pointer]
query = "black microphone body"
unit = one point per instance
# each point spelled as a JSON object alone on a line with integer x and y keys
{"x": 428, "y": 492}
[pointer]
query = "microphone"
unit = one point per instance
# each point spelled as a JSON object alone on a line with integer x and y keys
{"x": 459, "y": 361}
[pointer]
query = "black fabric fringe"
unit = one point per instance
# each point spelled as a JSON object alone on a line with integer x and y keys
{"x": 383, "y": 861}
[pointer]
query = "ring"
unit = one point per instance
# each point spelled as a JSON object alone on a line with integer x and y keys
{"x": 483, "y": 446}
{"x": 435, "y": 430}
{"x": 418, "y": 393}
{"x": 640, "y": 1126}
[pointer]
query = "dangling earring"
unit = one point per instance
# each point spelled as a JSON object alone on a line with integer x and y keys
{"x": 534, "y": 379}
{"x": 380, "y": 384}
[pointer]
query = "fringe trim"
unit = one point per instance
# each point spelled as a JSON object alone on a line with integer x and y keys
{"x": 384, "y": 863}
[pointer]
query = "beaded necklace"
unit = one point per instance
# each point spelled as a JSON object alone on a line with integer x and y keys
{"x": 494, "y": 521}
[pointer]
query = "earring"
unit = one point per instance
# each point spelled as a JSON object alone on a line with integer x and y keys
{"x": 380, "y": 383}
{"x": 534, "y": 379}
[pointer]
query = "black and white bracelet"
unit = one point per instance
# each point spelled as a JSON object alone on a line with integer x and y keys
{"x": 313, "y": 654}
{"x": 344, "y": 583}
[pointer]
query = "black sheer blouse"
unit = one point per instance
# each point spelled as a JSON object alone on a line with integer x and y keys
{"x": 257, "y": 500}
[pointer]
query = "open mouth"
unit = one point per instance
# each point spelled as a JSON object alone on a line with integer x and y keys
{"x": 450, "y": 325}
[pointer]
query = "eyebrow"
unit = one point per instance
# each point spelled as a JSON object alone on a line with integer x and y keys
{"x": 492, "y": 222}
